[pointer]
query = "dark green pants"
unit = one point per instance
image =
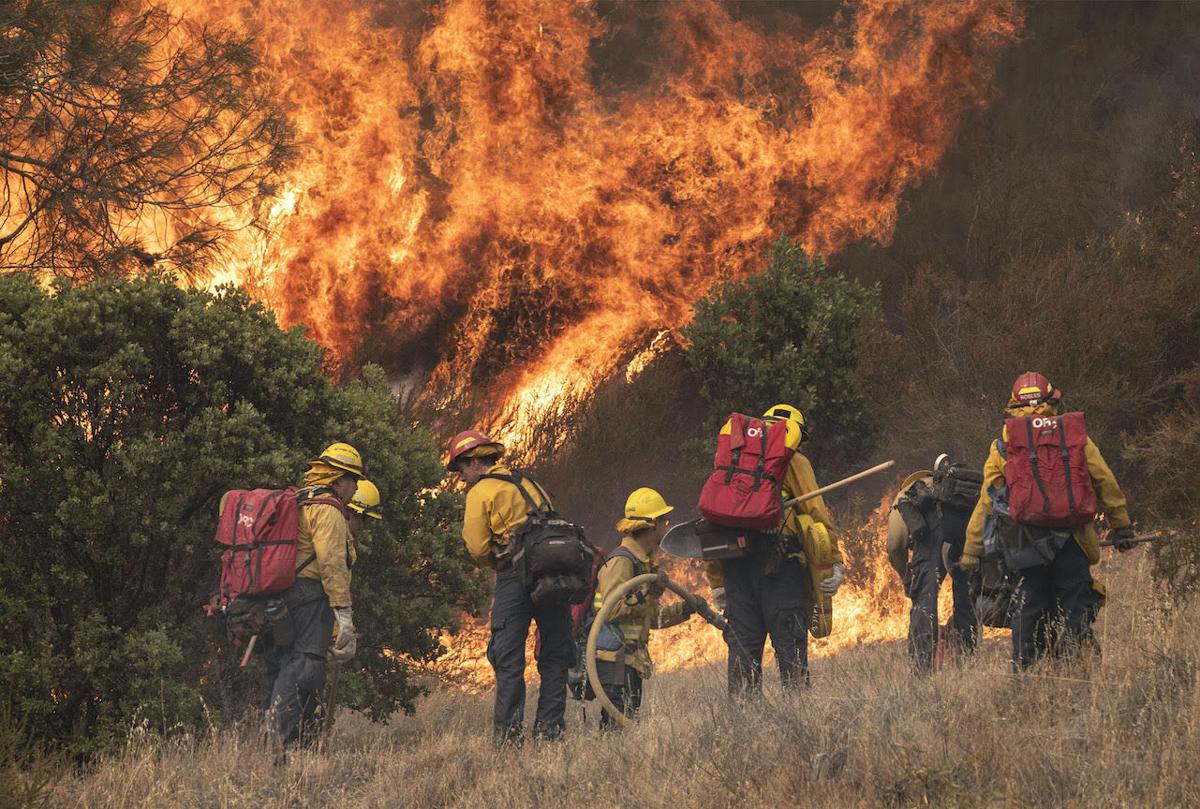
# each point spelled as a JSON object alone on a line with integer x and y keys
{"x": 1054, "y": 607}
{"x": 926, "y": 574}
{"x": 512, "y": 612}
{"x": 766, "y": 596}
{"x": 294, "y": 675}
{"x": 623, "y": 685}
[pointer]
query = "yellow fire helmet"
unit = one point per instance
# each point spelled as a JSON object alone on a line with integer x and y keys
{"x": 366, "y": 500}
{"x": 797, "y": 429}
{"x": 646, "y": 504}
{"x": 344, "y": 457}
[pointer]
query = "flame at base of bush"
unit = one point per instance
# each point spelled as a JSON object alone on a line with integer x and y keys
{"x": 870, "y": 608}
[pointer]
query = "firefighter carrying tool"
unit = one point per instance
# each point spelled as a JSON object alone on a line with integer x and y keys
{"x": 686, "y": 539}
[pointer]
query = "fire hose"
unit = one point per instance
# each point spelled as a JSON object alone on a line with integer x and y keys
{"x": 617, "y": 596}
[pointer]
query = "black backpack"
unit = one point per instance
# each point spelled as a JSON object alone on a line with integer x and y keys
{"x": 957, "y": 486}
{"x": 577, "y": 682}
{"x": 551, "y": 556}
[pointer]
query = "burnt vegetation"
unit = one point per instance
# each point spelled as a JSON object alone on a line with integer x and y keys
{"x": 127, "y": 138}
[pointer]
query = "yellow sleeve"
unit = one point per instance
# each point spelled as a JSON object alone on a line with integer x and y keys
{"x": 331, "y": 542}
{"x": 715, "y": 574}
{"x": 476, "y": 531}
{"x": 993, "y": 479}
{"x": 613, "y": 574}
{"x": 800, "y": 479}
{"x": 1108, "y": 492}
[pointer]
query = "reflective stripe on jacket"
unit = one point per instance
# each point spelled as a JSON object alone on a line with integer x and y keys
{"x": 638, "y": 612}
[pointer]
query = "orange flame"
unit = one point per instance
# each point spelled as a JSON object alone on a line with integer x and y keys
{"x": 514, "y": 194}
{"x": 870, "y": 608}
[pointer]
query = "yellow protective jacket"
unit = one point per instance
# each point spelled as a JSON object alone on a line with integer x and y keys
{"x": 799, "y": 479}
{"x": 897, "y": 529}
{"x": 323, "y": 531}
{"x": 1108, "y": 494}
{"x": 638, "y": 612}
{"x": 494, "y": 511}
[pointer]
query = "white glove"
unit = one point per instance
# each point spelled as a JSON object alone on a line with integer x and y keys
{"x": 347, "y": 637}
{"x": 718, "y": 598}
{"x": 830, "y": 586}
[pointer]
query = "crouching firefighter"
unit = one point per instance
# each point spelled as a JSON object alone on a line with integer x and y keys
{"x": 1043, "y": 483}
{"x": 766, "y": 585}
{"x": 622, "y": 650}
{"x": 294, "y": 672}
{"x": 926, "y": 530}
{"x": 500, "y": 507}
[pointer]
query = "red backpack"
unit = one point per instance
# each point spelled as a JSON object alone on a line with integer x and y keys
{"x": 259, "y": 529}
{"x": 1047, "y": 471}
{"x": 745, "y": 488}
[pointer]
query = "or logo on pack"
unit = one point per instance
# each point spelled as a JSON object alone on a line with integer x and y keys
{"x": 754, "y": 432}
{"x": 246, "y": 520}
{"x": 1047, "y": 423}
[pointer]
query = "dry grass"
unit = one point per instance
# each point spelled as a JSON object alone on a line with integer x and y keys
{"x": 1123, "y": 730}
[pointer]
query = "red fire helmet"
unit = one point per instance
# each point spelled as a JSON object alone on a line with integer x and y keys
{"x": 472, "y": 443}
{"x": 1031, "y": 388}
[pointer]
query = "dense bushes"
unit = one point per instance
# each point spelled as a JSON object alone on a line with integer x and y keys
{"x": 795, "y": 333}
{"x": 126, "y": 409}
{"x": 1114, "y": 323}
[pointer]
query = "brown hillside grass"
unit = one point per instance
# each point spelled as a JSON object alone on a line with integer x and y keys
{"x": 1122, "y": 730}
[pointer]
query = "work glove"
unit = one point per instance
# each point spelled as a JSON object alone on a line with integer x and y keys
{"x": 347, "y": 637}
{"x": 656, "y": 588}
{"x": 718, "y": 598}
{"x": 968, "y": 562}
{"x": 1122, "y": 538}
{"x": 830, "y": 585}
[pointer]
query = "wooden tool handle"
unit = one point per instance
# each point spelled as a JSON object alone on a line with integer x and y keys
{"x": 249, "y": 651}
{"x": 874, "y": 470}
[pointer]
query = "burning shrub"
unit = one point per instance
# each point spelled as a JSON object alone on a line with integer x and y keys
{"x": 128, "y": 136}
{"x": 126, "y": 409}
{"x": 795, "y": 333}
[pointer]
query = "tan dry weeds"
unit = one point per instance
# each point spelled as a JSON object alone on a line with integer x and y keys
{"x": 1122, "y": 731}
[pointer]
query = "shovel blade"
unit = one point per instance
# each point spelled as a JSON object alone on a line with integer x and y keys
{"x": 681, "y": 541}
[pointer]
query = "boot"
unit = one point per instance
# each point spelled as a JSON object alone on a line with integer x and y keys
{"x": 549, "y": 733}
{"x": 508, "y": 736}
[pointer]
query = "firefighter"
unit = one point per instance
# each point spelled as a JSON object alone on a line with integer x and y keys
{"x": 623, "y": 669}
{"x": 929, "y": 521}
{"x": 364, "y": 505}
{"x": 294, "y": 673}
{"x": 1055, "y": 601}
{"x": 769, "y": 591}
{"x": 495, "y": 511}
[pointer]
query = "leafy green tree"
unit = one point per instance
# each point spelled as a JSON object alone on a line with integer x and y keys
{"x": 795, "y": 333}
{"x": 126, "y": 409}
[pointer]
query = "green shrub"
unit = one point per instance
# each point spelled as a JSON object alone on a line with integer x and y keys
{"x": 126, "y": 409}
{"x": 795, "y": 333}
